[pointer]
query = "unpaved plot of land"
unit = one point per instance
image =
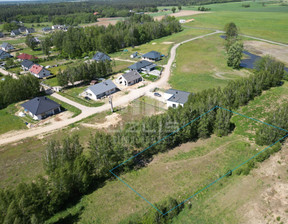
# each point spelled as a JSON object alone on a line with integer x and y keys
{"x": 271, "y": 200}
{"x": 105, "y": 21}
{"x": 181, "y": 13}
{"x": 110, "y": 120}
{"x": 261, "y": 48}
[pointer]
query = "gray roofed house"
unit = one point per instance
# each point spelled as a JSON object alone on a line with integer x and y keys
{"x": 100, "y": 90}
{"x": 6, "y": 46}
{"x": 41, "y": 107}
{"x": 176, "y": 97}
{"x": 26, "y": 64}
{"x": 15, "y": 32}
{"x": 100, "y": 56}
{"x": 46, "y": 29}
{"x": 129, "y": 78}
{"x": 4, "y": 55}
{"x": 22, "y": 29}
{"x": 138, "y": 66}
{"x": 152, "y": 55}
{"x": 30, "y": 30}
{"x": 1, "y": 35}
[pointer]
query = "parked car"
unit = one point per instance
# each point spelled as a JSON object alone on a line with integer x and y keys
{"x": 87, "y": 98}
{"x": 157, "y": 94}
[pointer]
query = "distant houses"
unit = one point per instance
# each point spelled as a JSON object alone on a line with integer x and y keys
{"x": 129, "y": 79}
{"x": 4, "y": 55}
{"x": 26, "y": 64}
{"x": 39, "y": 72}
{"x": 100, "y": 56}
{"x": 46, "y": 29}
{"x": 174, "y": 97}
{"x": 22, "y": 29}
{"x": 60, "y": 27}
{"x": 142, "y": 66}
{"x": 29, "y": 30}
{"x": 152, "y": 55}
{"x": 6, "y": 46}
{"x": 100, "y": 90}
{"x": 41, "y": 107}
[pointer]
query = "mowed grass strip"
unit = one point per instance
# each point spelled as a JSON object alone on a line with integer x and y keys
{"x": 201, "y": 64}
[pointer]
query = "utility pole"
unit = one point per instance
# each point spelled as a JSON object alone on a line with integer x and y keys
{"x": 110, "y": 101}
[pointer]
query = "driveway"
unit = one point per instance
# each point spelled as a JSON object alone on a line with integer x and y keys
{"x": 88, "y": 111}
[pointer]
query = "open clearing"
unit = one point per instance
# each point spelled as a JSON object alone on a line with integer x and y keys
{"x": 105, "y": 21}
{"x": 181, "y": 14}
{"x": 262, "y": 49}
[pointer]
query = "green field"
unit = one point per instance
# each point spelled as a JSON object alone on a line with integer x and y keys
{"x": 201, "y": 64}
{"x": 269, "y": 22}
{"x": 9, "y": 121}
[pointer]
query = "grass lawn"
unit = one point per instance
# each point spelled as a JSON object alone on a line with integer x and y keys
{"x": 150, "y": 77}
{"x": 201, "y": 64}
{"x": 121, "y": 66}
{"x": 67, "y": 106}
{"x": 269, "y": 22}
{"x": 73, "y": 94}
{"x": 51, "y": 82}
{"x": 9, "y": 121}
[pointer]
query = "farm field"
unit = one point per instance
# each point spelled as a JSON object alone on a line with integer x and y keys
{"x": 201, "y": 64}
{"x": 185, "y": 170}
{"x": 269, "y": 22}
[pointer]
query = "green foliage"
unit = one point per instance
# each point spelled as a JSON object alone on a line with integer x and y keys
{"x": 173, "y": 9}
{"x": 235, "y": 55}
{"x": 30, "y": 42}
{"x": 222, "y": 125}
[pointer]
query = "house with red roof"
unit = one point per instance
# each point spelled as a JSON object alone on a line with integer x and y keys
{"x": 39, "y": 72}
{"x": 26, "y": 57}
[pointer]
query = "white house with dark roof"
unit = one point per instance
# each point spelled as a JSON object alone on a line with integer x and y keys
{"x": 15, "y": 32}
{"x": 26, "y": 64}
{"x": 174, "y": 97}
{"x": 142, "y": 66}
{"x": 100, "y": 90}
{"x": 6, "y": 46}
{"x": 4, "y": 55}
{"x": 41, "y": 107}
{"x": 100, "y": 56}
{"x": 152, "y": 55}
{"x": 129, "y": 78}
{"x": 1, "y": 35}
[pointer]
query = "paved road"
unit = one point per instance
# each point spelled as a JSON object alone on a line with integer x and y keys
{"x": 88, "y": 111}
{"x": 4, "y": 72}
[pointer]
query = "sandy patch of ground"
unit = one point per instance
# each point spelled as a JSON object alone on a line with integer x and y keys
{"x": 189, "y": 20}
{"x": 167, "y": 42}
{"x": 271, "y": 200}
{"x": 110, "y": 120}
{"x": 154, "y": 43}
{"x": 181, "y": 13}
{"x": 262, "y": 48}
{"x": 104, "y": 21}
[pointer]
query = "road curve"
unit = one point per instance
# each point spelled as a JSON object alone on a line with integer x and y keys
{"x": 88, "y": 111}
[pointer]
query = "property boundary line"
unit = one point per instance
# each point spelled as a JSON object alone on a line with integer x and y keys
{"x": 209, "y": 185}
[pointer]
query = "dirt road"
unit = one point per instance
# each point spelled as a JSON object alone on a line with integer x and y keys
{"x": 4, "y": 72}
{"x": 88, "y": 111}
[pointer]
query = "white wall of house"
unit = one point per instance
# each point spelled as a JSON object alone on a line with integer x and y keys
{"x": 92, "y": 96}
{"x": 46, "y": 114}
{"x": 173, "y": 104}
{"x": 43, "y": 73}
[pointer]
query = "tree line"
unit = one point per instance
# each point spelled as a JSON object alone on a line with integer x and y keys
{"x": 15, "y": 90}
{"x": 137, "y": 29}
{"x": 86, "y": 71}
{"x": 71, "y": 173}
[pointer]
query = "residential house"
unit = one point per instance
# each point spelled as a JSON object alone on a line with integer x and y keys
{"x": 41, "y": 107}
{"x": 22, "y": 29}
{"x": 4, "y": 55}
{"x": 100, "y": 56}
{"x": 39, "y": 72}
{"x": 26, "y": 64}
{"x": 174, "y": 97}
{"x": 60, "y": 27}
{"x": 100, "y": 90}
{"x": 152, "y": 55}
{"x": 129, "y": 78}
{"x": 142, "y": 66}
{"x": 15, "y": 33}
{"x": 26, "y": 57}
{"x": 1, "y": 35}
{"x": 30, "y": 30}
{"x": 46, "y": 29}
{"x": 6, "y": 46}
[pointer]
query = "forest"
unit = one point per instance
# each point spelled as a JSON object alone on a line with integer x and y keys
{"x": 135, "y": 30}
{"x": 70, "y": 172}
{"x": 74, "y": 13}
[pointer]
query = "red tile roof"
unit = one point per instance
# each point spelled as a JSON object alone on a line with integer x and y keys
{"x": 35, "y": 69}
{"x": 26, "y": 57}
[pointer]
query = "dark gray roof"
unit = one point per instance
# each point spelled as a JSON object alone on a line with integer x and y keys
{"x": 40, "y": 105}
{"x": 4, "y": 54}
{"x": 7, "y": 45}
{"x": 100, "y": 56}
{"x": 102, "y": 87}
{"x": 46, "y": 28}
{"x": 154, "y": 55}
{"x": 1, "y": 34}
{"x": 178, "y": 96}
{"x": 149, "y": 67}
{"x": 30, "y": 30}
{"x": 22, "y": 29}
{"x": 27, "y": 63}
{"x": 16, "y": 32}
{"x": 131, "y": 76}
{"x": 140, "y": 64}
